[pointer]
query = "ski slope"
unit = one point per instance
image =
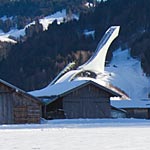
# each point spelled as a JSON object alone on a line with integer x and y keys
{"x": 105, "y": 134}
{"x": 127, "y": 74}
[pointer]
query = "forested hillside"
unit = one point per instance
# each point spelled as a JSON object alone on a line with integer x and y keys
{"x": 22, "y": 12}
{"x": 33, "y": 63}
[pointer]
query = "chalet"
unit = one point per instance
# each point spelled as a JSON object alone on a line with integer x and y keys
{"x": 76, "y": 99}
{"x": 17, "y": 106}
{"x": 134, "y": 108}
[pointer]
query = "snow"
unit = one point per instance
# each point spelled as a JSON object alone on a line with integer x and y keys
{"x": 66, "y": 77}
{"x": 81, "y": 134}
{"x": 144, "y": 103}
{"x": 46, "y": 21}
{"x": 5, "y": 38}
{"x": 59, "y": 16}
{"x": 16, "y": 33}
{"x": 57, "y": 89}
{"x": 97, "y": 62}
{"x": 64, "y": 86}
{"x": 89, "y": 5}
{"x": 127, "y": 74}
{"x": 123, "y": 72}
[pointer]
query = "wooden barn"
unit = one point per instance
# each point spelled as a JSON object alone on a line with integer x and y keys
{"x": 134, "y": 108}
{"x": 17, "y": 106}
{"x": 77, "y": 99}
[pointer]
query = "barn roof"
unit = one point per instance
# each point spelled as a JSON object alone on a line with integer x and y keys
{"x": 18, "y": 90}
{"x": 143, "y": 103}
{"x": 66, "y": 87}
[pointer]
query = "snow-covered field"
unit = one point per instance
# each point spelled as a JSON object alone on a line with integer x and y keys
{"x": 97, "y": 134}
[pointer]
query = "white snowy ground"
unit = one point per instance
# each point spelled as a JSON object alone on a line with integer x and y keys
{"x": 81, "y": 134}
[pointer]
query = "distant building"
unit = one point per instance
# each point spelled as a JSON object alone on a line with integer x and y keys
{"x": 134, "y": 108}
{"x": 17, "y": 106}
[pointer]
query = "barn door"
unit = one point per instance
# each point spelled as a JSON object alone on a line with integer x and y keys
{"x": 92, "y": 108}
{"x": 72, "y": 109}
{"x": 86, "y": 108}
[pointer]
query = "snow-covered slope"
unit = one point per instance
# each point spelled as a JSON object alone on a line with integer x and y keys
{"x": 59, "y": 16}
{"x": 127, "y": 74}
{"x": 123, "y": 72}
{"x": 5, "y": 38}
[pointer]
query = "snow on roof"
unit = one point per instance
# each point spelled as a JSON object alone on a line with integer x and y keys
{"x": 63, "y": 87}
{"x": 66, "y": 77}
{"x": 144, "y": 103}
{"x": 57, "y": 89}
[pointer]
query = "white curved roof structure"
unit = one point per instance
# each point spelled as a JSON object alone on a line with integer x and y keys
{"x": 97, "y": 62}
{"x": 91, "y": 71}
{"x": 95, "y": 65}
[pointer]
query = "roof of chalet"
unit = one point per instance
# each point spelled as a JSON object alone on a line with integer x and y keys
{"x": 143, "y": 103}
{"x": 62, "y": 88}
{"x": 18, "y": 90}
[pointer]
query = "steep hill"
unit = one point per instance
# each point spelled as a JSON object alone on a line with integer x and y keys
{"x": 126, "y": 73}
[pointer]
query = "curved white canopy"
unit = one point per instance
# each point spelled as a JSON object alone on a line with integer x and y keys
{"x": 97, "y": 62}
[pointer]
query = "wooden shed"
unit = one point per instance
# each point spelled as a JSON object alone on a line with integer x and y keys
{"x": 17, "y": 106}
{"x": 77, "y": 99}
{"x": 134, "y": 108}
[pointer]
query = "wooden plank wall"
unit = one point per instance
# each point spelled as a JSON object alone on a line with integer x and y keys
{"x": 26, "y": 110}
{"x": 138, "y": 112}
{"x": 87, "y": 102}
{"x": 17, "y": 107}
{"x": 6, "y": 105}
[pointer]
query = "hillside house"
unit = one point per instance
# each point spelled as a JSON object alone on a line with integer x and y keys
{"x": 17, "y": 106}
